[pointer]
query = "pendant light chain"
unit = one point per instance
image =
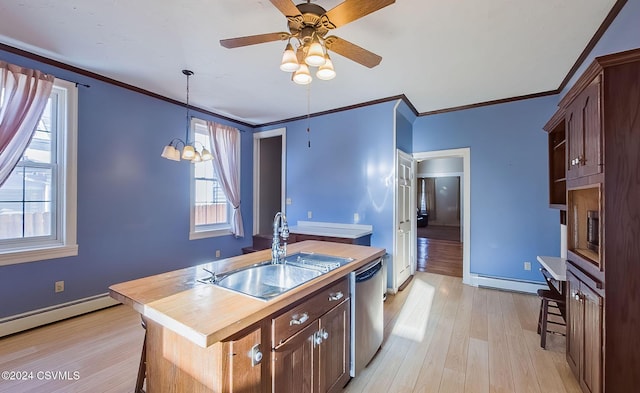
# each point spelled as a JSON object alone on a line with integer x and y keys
{"x": 188, "y": 74}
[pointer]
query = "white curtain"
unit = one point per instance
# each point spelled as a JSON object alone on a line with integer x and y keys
{"x": 23, "y": 97}
{"x": 225, "y": 147}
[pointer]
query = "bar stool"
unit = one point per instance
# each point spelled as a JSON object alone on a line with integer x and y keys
{"x": 142, "y": 369}
{"x": 558, "y": 306}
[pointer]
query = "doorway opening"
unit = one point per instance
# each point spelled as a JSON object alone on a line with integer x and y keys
{"x": 269, "y": 178}
{"x": 443, "y": 211}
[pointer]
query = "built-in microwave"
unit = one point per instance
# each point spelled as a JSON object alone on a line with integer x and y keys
{"x": 593, "y": 230}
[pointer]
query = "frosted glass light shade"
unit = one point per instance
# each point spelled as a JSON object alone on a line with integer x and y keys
{"x": 289, "y": 60}
{"x": 206, "y": 155}
{"x": 188, "y": 152}
{"x": 315, "y": 56}
{"x": 196, "y": 158}
{"x": 326, "y": 71}
{"x": 170, "y": 153}
{"x": 302, "y": 76}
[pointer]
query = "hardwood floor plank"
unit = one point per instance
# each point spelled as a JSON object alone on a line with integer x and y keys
{"x": 457, "y": 354}
{"x": 439, "y": 257}
{"x": 500, "y": 375}
{"x": 479, "y": 326}
{"x": 547, "y": 374}
{"x": 452, "y": 381}
{"x": 477, "y": 374}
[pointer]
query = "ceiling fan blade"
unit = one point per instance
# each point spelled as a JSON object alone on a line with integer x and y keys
{"x": 254, "y": 39}
{"x": 287, "y": 7}
{"x": 350, "y": 10}
{"x": 352, "y": 51}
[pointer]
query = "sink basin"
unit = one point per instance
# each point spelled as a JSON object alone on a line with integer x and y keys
{"x": 267, "y": 281}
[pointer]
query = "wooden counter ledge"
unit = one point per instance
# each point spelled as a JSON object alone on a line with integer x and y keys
{"x": 206, "y": 314}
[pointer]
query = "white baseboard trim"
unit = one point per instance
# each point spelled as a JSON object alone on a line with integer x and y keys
{"x": 43, "y": 316}
{"x": 505, "y": 284}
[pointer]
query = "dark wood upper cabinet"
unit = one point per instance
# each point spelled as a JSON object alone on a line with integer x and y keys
{"x": 600, "y": 118}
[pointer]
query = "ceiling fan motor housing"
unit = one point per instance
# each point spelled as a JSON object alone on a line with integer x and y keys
{"x": 303, "y": 25}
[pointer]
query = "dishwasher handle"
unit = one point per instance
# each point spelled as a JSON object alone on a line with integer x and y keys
{"x": 370, "y": 272}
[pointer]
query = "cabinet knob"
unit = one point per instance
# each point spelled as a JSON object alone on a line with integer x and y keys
{"x": 299, "y": 320}
{"x": 317, "y": 338}
{"x": 336, "y": 296}
{"x": 256, "y": 355}
{"x": 324, "y": 334}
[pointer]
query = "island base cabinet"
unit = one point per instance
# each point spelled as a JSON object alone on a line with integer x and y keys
{"x": 335, "y": 349}
{"x": 317, "y": 358}
{"x": 176, "y": 364}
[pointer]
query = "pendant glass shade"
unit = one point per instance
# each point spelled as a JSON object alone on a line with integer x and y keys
{"x": 170, "y": 153}
{"x": 315, "y": 56}
{"x": 196, "y": 158}
{"x": 302, "y": 76}
{"x": 188, "y": 153}
{"x": 289, "y": 60}
{"x": 326, "y": 71}
{"x": 206, "y": 155}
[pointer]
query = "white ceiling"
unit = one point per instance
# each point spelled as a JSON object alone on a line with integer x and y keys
{"x": 440, "y": 54}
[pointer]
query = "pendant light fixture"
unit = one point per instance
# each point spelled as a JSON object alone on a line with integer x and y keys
{"x": 189, "y": 151}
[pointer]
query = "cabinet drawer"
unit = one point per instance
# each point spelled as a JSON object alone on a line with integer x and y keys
{"x": 292, "y": 321}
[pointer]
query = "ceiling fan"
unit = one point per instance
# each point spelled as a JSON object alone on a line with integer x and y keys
{"x": 309, "y": 24}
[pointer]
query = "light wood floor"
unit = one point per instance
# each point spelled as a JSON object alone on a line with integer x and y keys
{"x": 441, "y": 336}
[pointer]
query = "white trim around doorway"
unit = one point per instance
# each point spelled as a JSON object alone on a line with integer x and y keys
{"x": 465, "y": 153}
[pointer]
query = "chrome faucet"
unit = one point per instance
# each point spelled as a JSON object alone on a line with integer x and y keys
{"x": 280, "y": 229}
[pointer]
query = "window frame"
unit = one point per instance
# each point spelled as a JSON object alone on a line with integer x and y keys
{"x": 64, "y": 243}
{"x": 208, "y": 230}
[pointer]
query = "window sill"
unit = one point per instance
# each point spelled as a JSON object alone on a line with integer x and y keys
{"x": 12, "y": 257}
{"x": 210, "y": 233}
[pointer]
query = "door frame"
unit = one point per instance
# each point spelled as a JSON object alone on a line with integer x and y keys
{"x": 465, "y": 153}
{"x": 282, "y": 132}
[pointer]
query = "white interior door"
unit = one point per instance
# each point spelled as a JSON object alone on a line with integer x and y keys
{"x": 405, "y": 212}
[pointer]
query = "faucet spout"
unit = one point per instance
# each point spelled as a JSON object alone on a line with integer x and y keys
{"x": 280, "y": 230}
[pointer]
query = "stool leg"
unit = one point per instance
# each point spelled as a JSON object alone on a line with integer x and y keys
{"x": 142, "y": 369}
{"x": 543, "y": 325}
{"x": 540, "y": 315}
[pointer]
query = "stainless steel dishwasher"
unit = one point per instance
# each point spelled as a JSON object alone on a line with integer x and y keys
{"x": 367, "y": 320}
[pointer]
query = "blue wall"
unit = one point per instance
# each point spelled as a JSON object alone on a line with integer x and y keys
{"x": 510, "y": 218}
{"x": 133, "y": 205}
{"x": 348, "y": 169}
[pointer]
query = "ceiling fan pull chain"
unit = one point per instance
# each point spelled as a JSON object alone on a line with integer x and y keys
{"x": 309, "y": 115}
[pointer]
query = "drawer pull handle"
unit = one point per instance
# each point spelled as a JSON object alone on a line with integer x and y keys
{"x": 299, "y": 320}
{"x": 336, "y": 296}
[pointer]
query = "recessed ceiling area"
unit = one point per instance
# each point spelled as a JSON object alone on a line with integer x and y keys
{"x": 439, "y": 54}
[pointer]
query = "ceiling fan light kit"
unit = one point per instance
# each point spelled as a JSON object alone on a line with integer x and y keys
{"x": 309, "y": 23}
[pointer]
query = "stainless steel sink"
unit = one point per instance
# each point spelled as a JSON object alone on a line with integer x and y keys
{"x": 267, "y": 281}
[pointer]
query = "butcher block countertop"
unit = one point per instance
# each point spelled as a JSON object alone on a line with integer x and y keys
{"x": 206, "y": 313}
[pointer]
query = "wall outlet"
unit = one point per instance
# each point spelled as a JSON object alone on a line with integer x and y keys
{"x": 59, "y": 286}
{"x": 356, "y": 218}
{"x": 309, "y": 214}
{"x": 217, "y": 253}
{"x": 288, "y": 201}
{"x": 527, "y": 266}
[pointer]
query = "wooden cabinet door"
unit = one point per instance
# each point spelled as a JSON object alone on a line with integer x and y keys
{"x": 574, "y": 139}
{"x": 574, "y": 324}
{"x": 244, "y": 367}
{"x": 584, "y": 134}
{"x": 334, "y": 352}
{"x": 591, "y": 155}
{"x": 591, "y": 367}
{"x": 295, "y": 363}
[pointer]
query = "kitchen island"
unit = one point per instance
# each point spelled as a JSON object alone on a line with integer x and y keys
{"x": 205, "y": 338}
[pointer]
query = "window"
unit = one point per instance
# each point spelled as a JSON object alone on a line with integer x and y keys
{"x": 210, "y": 209}
{"x": 38, "y": 200}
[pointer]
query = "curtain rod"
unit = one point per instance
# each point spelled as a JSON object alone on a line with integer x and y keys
{"x": 76, "y": 82}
